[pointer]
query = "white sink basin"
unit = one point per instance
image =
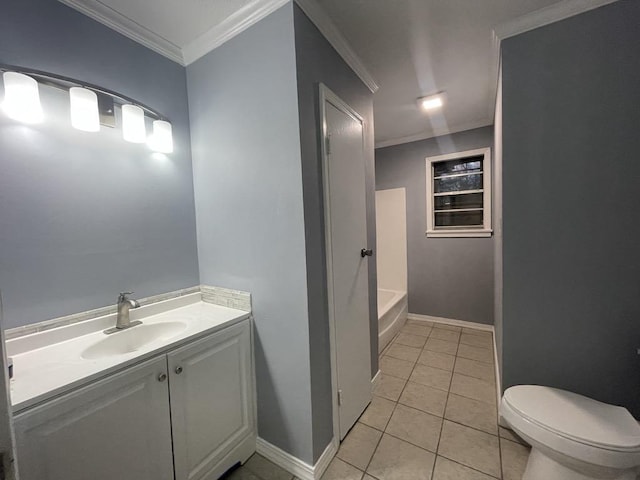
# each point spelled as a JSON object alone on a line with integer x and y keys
{"x": 132, "y": 339}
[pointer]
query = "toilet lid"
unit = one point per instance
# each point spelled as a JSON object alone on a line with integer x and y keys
{"x": 576, "y": 417}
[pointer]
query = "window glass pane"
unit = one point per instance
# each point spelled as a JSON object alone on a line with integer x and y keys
{"x": 467, "y": 200}
{"x": 459, "y": 165}
{"x": 459, "y": 219}
{"x": 463, "y": 182}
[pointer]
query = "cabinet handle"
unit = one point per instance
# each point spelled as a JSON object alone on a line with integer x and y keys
{"x": 162, "y": 377}
{"x": 178, "y": 370}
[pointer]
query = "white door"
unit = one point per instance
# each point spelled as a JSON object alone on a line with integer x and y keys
{"x": 117, "y": 428}
{"x": 212, "y": 403}
{"x": 346, "y": 228}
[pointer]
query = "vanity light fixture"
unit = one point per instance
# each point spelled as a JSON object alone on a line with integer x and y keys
{"x": 161, "y": 140}
{"x": 90, "y": 106}
{"x": 21, "y": 98}
{"x": 133, "y": 128}
{"x": 85, "y": 115}
{"x": 432, "y": 102}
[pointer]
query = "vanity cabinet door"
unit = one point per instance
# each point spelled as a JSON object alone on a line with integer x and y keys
{"x": 212, "y": 412}
{"x": 116, "y": 428}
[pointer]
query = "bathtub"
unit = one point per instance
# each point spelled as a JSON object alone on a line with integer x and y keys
{"x": 392, "y": 313}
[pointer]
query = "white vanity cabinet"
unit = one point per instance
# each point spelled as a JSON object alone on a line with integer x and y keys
{"x": 212, "y": 405}
{"x": 118, "y": 427}
{"x": 187, "y": 414}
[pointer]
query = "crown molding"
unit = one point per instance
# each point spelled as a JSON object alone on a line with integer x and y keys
{"x": 231, "y": 26}
{"x": 224, "y": 31}
{"x": 321, "y": 20}
{"x": 436, "y": 133}
{"x": 545, "y": 16}
{"x": 127, "y": 27}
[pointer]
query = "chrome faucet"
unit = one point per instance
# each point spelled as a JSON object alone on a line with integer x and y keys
{"x": 124, "y": 305}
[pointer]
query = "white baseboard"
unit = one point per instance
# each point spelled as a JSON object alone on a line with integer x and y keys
{"x": 325, "y": 459}
{"x": 497, "y": 367}
{"x": 294, "y": 465}
{"x": 376, "y": 379}
{"x": 450, "y": 321}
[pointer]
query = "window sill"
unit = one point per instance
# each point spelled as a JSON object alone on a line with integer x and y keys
{"x": 468, "y": 233}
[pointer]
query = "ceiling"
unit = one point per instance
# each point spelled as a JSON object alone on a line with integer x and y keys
{"x": 415, "y": 48}
{"x": 407, "y": 48}
{"x": 179, "y": 22}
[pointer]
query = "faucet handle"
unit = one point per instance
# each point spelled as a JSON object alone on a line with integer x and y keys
{"x": 123, "y": 295}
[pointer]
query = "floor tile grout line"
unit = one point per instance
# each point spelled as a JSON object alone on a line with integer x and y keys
{"x": 395, "y": 405}
{"x": 410, "y": 443}
{"x": 352, "y": 465}
{"x": 363, "y": 473}
{"x": 424, "y": 349}
{"x": 415, "y": 364}
{"x": 379, "y": 440}
{"x": 476, "y": 332}
{"x": 493, "y": 379}
{"x": 471, "y": 398}
{"x": 500, "y": 456}
{"x": 472, "y": 345}
{"x": 471, "y": 427}
{"x": 405, "y": 385}
{"x": 446, "y": 403}
{"x": 405, "y": 345}
{"x": 491, "y": 382}
{"x": 442, "y": 419}
{"x": 489, "y": 349}
{"x": 475, "y": 378}
{"x": 374, "y": 450}
{"x": 448, "y": 391}
{"x": 410, "y": 333}
{"x": 472, "y": 468}
{"x": 400, "y": 358}
{"x": 468, "y": 426}
{"x": 419, "y": 409}
{"x": 396, "y": 376}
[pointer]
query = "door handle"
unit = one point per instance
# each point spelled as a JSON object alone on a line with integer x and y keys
{"x": 366, "y": 252}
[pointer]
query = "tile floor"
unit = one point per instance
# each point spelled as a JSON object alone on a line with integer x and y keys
{"x": 433, "y": 416}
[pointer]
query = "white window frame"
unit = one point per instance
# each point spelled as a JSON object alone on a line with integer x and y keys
{"x": 483, "y": 231}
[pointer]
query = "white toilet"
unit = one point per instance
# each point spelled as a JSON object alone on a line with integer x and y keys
{"x": 572, "y": 437}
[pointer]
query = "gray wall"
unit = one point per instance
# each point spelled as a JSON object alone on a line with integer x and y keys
{"x": 317, "y": 62}
{"x": 248, "y": 186}
{"x": 85, "y": 216}
{"x": 571, "y": 210}
{"x": 448, "y": 277}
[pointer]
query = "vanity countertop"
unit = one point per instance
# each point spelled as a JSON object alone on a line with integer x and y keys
{"x": 50, "y": 363}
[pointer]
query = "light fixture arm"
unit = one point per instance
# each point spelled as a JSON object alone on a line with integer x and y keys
{"x": 62, "y": 82}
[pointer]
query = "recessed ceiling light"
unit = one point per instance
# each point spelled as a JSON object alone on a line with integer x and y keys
{"x": 431, "y": 102}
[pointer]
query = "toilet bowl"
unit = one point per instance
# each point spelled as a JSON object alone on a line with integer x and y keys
{"x": 572, "y": 437}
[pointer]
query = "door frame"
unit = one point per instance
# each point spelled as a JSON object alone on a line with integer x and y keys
{"x": 8, "y": 452}
{"x": 327, "y": 96}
